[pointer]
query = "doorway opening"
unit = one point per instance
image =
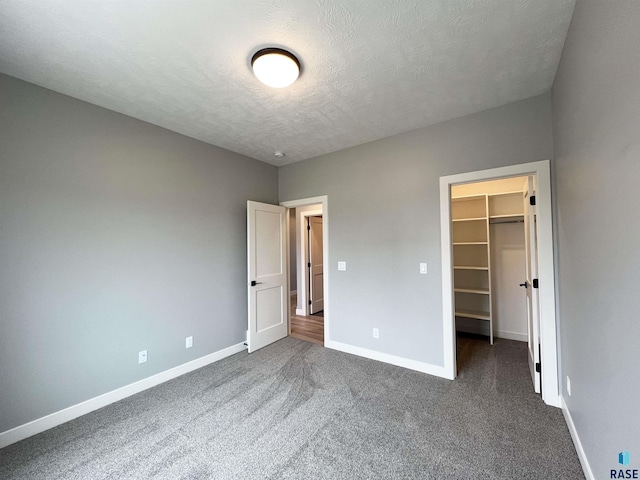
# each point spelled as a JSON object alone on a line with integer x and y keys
{"x": 308, "y": 274}
{"x": 482, "y": 258}
{"x": 493, "y": 263}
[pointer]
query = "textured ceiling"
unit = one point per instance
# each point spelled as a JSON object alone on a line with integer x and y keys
{"x": 371, "y": 68}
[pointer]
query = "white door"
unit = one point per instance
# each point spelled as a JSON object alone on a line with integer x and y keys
{"x": 267, "y": 278}
{"x": 316, "y": 265}
{"x": 531, "y": 273}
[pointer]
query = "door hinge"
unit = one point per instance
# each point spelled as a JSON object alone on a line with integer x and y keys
{"x": 309, "y": 264}
{"x": 535, "y": 283}
{"x": 532, "y": 200}
{"x": 538, "y": 367}
{"x": 309, "y": 302}
{"x": 308, "y": 227}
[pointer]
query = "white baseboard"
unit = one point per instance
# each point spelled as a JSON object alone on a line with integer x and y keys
{"x": 520, "y": 337}
{"x": 57, "y": 418}
{"x": 423, "y": 367}
{"x": 576, "y": 441}
{"x": 300, "y": 311}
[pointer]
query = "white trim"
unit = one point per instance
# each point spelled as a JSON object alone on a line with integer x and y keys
{"x": 57, "y": 418}
{"x": 586, "y": 468}
{"x": 300, "y": 312}
{"x": 324, "y": 200}
{"x": 422, "y": 367}
{"x": 519, "y": 337}
{"x": 293, "y": 292}
{"x": 304, "y": 201}
{"x": 287, "y": 242}
{"x": 547, "y": 292}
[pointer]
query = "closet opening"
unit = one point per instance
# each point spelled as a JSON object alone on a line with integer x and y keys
{"x": 495, "y": 264}
{"x": 489, "y": 260}
{"x": 470, "y": 227}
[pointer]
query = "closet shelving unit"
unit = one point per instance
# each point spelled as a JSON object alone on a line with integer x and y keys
{"x": 471, "y": 216}
{"x": 506, "y": 207}
{"x": 472, "y": 258}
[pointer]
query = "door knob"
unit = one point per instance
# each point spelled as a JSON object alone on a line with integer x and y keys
{"x": 525, "y": 284}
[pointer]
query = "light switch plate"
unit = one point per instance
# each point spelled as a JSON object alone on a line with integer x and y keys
{"x": 423, "y": 268}
{"x": 188, "y": 342}
{"x": 342, "y": 266}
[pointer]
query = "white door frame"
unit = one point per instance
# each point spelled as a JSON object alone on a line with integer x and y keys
{"x": 324, "y": 200}
{"x": 531, "y": 272}
{"x": 303, "y": 247}
{"x": 548, "y": 328}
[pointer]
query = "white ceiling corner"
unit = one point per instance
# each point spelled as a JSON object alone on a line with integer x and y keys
{"x": 370, "y": 68}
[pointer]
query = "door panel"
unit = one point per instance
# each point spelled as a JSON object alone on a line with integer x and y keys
{"x": 269, "y": 311}
{"x": 316, "y": 261}
{"x": 267, "y": 280}
{"x": 268, "y": 252}
{"x": 531, "y": 271}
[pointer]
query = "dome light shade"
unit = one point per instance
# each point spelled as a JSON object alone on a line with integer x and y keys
{"x": 275, "y": 67}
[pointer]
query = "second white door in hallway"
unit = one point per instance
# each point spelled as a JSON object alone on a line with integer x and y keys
{"x": 316, "y": 277}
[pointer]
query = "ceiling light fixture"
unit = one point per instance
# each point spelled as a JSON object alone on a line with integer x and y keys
{"x": 275, "y": 67}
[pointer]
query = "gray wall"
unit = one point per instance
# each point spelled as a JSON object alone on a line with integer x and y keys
{"x": 384, "y": 219}
{"x": 115, "y": 236}
{"x": 596, "y": 114}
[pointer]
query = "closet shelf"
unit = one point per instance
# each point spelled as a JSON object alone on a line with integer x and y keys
{"x": 478, "y": 314}
{"x": 518, "y": 193}
{"x": 466, "y": 198}
{"x": 480, "y": 291}
{"x": 470, "y": 219}
{"x": 469, "y": 267}
{"x": 512, "y": 217}
{"x": 470, "y": 243}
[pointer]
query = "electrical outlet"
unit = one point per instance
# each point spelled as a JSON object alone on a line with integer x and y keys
{"x": 568, "y": 385}
{"x": 342, "y": 266}
{"x": 142, "y": 356}
{"x": 376, "y": 333}
{"x": 188, "y": 342}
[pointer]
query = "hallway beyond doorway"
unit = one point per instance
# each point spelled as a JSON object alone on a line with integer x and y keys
{"x": 309, "y": 328}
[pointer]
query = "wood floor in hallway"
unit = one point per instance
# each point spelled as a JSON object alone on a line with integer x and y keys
{"x": 309, "y": 328}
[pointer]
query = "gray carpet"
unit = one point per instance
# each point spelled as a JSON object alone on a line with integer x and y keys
{"x": 297, "y": 410}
